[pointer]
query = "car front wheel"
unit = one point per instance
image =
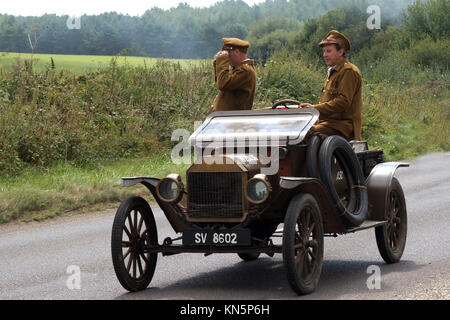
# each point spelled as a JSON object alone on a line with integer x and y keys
{"x": 303, "y": 244}
{"x": 133, "y": 233}
{"x": 391, "y": 237}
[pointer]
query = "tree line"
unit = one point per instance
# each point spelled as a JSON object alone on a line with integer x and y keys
{"x": 181, "y": 32}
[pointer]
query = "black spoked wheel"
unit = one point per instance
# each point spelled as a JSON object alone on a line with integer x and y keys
{"x": 261, "y": 230}
{"x": 391, "y": 237}
{"x": 303, "y": 244}
{"x": 133, "y": 233}
{"x": 249, "y": 256}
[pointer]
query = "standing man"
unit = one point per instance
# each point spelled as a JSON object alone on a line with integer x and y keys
{"x": 340, "y": 106}
{"x": 236, "y": 86}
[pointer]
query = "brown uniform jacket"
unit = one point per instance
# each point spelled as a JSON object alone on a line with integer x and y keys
{"x": 236, "y": 87}
{"x": 340, "y": 106}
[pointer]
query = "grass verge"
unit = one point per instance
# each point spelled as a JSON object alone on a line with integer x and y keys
{"x": 38, "y": 194}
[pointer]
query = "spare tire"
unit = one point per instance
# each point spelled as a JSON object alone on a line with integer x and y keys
{"x": 312, "y": 154}
{"x": 341, "y": 173}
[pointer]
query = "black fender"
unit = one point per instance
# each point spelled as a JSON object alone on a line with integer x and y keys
{"x": 330, "y": 215}
{"x": 378, "y": 183}
{"x": 172, "y": 212}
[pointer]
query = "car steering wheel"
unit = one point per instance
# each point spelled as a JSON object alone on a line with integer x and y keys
{"x": 284, "y": 102}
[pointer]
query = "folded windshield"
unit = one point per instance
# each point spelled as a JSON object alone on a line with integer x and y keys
{"x": 284, "y": 126}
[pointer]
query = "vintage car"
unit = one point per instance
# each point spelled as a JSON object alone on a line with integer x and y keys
{"x": 259, "y": 175}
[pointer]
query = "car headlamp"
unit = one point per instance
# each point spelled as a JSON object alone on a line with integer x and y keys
{"x": 258, "y": 189}
{"x": 170, "y": 189}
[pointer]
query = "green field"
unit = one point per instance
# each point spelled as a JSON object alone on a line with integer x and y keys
{"x": 78, "y": 64}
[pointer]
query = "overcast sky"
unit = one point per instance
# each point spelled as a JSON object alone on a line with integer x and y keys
{"x": 80, "y": 7}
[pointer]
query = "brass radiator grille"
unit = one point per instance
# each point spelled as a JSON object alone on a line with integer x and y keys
{"x": 215, "y": 194}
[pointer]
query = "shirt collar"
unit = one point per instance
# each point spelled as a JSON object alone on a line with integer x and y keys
{"x": 330, "y": 69}
{"x": 337, "y": 67}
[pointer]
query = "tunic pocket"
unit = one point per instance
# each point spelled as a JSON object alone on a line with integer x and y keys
{"x": 333, "y": 92}
{"x": 328, "y": 94}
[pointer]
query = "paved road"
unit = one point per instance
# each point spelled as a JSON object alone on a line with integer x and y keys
{"x": 39, "y": 260}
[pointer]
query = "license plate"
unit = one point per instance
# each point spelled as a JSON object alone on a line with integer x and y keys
{"x": 237, "y": 237}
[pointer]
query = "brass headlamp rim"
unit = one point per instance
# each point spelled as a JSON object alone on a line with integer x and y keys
{"x": 176, "y": 178}
{"x": 263, "y": 178}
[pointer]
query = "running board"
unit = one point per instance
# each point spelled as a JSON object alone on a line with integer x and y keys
{"x": 367, "y": 225}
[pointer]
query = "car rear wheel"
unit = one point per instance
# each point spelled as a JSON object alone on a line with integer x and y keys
{"x": 133, "y": 233}
{"x": 391, "y": 237}
{"x": 249, "y": 256}
{"x": 303, "y": 244}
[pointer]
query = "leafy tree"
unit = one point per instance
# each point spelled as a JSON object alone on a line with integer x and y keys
{"x": 428, "y": 18}
{"x": 185, "y": 32}
{"x": 351, "y": 21}
{"x": 271, "y": 34}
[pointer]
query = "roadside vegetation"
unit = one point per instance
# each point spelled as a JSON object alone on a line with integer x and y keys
{"x": 66, "y": 138}
{"x": 38, "y": 194}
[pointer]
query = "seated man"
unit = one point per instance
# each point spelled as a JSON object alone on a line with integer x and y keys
{"x": 236, "y": 86}
{"x": 340, "y": 106}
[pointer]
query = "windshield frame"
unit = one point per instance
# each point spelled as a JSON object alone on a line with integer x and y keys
{"x": 306, "y": 118}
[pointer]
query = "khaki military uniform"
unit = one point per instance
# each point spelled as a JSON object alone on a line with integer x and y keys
{"x": 340, "y": 106}
{"x": 236, "y": 85}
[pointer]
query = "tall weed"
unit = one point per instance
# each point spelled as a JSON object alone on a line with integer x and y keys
{"x": 113, "y": 113}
